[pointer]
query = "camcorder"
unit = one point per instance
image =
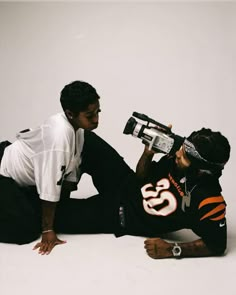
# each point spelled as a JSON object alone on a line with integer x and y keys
{"x": 155, "y": 135}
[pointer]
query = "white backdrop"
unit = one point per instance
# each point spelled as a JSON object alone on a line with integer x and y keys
{"x": 175, "y": 62}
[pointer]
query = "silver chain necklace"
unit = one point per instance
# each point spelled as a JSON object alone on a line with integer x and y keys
{"x": 186, "y": 200}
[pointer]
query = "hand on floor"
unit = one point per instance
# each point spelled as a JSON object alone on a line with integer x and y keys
{"x": 48, "y": 242}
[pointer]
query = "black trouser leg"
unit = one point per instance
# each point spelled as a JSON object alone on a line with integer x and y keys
{"x": 106, "y": 167}
{"x": 19, "y": 213}
{"x": 110, "y": 175}
{"x": 84, "y": 216}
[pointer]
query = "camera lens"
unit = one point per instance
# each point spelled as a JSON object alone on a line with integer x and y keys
{"x": 130, "y": 125}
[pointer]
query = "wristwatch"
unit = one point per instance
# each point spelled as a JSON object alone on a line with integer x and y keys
{"x": 176, "y": 250}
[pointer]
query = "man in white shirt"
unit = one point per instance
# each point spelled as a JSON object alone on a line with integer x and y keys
{"x": 45, "y": 158}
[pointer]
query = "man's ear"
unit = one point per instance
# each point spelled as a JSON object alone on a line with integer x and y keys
{"x": 69, "y": 114}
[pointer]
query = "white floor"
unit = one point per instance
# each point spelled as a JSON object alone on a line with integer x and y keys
{"x": 102, "y": 264}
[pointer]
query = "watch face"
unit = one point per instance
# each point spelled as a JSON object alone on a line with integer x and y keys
{"x": 176, "y": 250}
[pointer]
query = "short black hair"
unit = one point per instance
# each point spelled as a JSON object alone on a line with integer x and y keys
{"x": 211, "y": 145}
{"x": 77, "y": 96}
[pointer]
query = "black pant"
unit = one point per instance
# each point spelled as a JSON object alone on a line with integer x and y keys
{"x": 110, "y": 175}
{"x": 20, "y": 216}
{"x": 20, "y": 208}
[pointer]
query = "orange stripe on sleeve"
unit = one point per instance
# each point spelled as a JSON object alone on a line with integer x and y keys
{"x": 222, "y": 216}
{"x": 218, "y": 199}
{"x": 215, "y": 210}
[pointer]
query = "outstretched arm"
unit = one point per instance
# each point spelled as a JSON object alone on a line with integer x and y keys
{"x": 158, "y": 248}
{"x": 49, "y": 238}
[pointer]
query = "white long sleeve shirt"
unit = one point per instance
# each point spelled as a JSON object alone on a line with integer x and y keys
{"x": 45, "y": 157}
